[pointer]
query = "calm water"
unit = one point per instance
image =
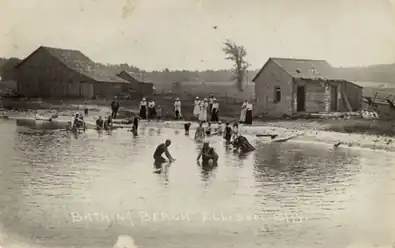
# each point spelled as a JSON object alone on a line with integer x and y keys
{"x": 61, "y": 191}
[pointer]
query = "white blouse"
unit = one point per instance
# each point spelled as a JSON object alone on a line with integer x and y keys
{"x": 249, "y": 106}
{"x": 143, "y": 103}
{"x": 151, "y": 104}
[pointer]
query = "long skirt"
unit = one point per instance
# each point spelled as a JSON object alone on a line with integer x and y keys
{"x": 196, "y": 111}
{"x": 143, "y": 112}
{"x": 178, "y": 113}
{"x": 214, "y": 115}
{"x": 248, "y": 117}
{"x": 151, "y": 113}
{"x": 243, "y": 115}
{"x": 203, "y": 115}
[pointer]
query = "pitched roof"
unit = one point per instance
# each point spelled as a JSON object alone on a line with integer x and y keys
{"x": 77, "y": 61}
{"x": 304, "y": 68}
{"x": 135, "y": 75}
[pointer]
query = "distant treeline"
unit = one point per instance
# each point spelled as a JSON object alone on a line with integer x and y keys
{"x": 379, "y": 73}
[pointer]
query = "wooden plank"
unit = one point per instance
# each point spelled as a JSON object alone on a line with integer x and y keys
{"x": 346, "y": 99}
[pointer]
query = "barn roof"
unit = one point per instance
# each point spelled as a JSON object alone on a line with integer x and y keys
{"x": 304, "y": 68}
{"x": 77, "y": 61}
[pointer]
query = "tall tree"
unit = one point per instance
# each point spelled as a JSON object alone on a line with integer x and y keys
{"x": 237, "y": 55}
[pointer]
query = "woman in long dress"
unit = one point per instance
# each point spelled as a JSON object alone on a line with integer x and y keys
{"x": 196, "y": 109}
{"x": 177, "y": 108}
{"x": 248, "y": 119}
{"x": 151, "y": 110}
{"x": 203, "y": 111}
{"x": 214, "y": 111}
{"x": 143, "y": 108}
{"x": 243, "y": 112}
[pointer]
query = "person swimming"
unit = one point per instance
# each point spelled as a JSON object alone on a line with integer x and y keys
{"x": 208, "y": 155}
{"x": 199, "y": 134}
{"x": 218, "y": 130}
{"x": 160, "y": 149}
{"x": 242, "y": 144}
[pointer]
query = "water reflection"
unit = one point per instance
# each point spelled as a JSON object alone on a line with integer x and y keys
{"x": 46, "y": 176}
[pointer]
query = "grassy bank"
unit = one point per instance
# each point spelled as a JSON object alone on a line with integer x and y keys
{"x": 229, "y": 111}
{"x": 229, "y": 108}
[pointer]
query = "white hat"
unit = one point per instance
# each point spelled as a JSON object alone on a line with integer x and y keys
{"x": 177, "y": 99}
{"x": 197, "y": 97}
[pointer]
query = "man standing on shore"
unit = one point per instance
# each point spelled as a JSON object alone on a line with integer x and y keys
{"x": 114, "y": 107}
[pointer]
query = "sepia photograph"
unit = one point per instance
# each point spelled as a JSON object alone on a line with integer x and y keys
{"x": 197, "y": 123}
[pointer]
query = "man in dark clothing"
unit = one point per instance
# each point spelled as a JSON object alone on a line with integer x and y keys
{"x": 163, "y": 148}
{"x": 228, "y": 132}
{"x": 99, "y": 123}
{"x": 186, "y": 128}
{"x": 208, "y": 155}
{"x": 242, "y": 143}
{"x": 114, "y": 108}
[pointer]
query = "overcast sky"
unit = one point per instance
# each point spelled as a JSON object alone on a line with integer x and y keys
{"x": 180, "y": 34}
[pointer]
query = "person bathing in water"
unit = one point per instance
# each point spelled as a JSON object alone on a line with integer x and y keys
{"x": 218, "y": 130}
{"x": 99, "y": 123}
{"x": 160, "y": 149}
{"x": 186, "y": 128}
{"x": 208, "y": 155}
{"x": 199, "y": 134}
{"x": 208, "y": 130}
{"x": 242, "y": 144}
{"x": 228, "y": 132}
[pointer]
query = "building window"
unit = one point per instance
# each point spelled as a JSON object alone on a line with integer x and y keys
{"x": 277, "y": 94}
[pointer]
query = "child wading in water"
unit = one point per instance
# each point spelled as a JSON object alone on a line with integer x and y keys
{"x": 186, "y": 127}
{"x": 228, "y": 132}
{"x": 208, "y": 130}
{"x": 199, "y": 134}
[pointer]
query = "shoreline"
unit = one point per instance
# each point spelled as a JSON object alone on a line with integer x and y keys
{"x": 309, "y": 134}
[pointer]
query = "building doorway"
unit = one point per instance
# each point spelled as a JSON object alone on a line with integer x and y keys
{"x": 301, "y": 99}
{"x": 334, "y": 98}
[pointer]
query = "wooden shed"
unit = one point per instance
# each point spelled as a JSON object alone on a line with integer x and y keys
{"x": 290, "y": 86}
{"x": 55, "y": 72}
{"x": 137, "y": 85}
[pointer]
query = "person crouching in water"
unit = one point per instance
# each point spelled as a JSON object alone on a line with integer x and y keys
{"x": 99, "y": 123}
{"x": 208, "y": 130}
{"x": 199, "y": 134}
{"x": 78, "y": 122}
{"x": 218, "y": 130}
{"x": 108, "y": 123}
{"x": 186, "y": 128}
{"x": 160, "y": 149}
{"x": 151, "y": 110}
{"x": 228, "y": 132}
{"x": 208, "y": 155}
{"x": 242, "y": 144}
{"x": 235, "y": 130}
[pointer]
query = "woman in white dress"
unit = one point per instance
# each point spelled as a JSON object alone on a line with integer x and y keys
{"x": 203, "y": 111}
{"x": 177, "y": 108}
{"x": 243, "y": 112}
{"x": 196, "y": 109}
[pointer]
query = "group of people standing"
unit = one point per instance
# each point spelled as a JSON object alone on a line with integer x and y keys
{"x": 149, "y": 110}
{"x": 206, "y": 109}
{"x": 246, "y": 113}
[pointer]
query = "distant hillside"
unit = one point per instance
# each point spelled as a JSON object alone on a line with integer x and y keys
{"x": 376, "y": 73}
{"x": 165, "y": 77}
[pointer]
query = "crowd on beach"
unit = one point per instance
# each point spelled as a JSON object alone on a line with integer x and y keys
{"x": 205, "y": 111}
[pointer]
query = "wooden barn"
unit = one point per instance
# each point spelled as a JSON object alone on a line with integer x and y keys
{"x": 291, "y": 86}
{"x": 55, "y": 72}
{"x": 137, "y": 85}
